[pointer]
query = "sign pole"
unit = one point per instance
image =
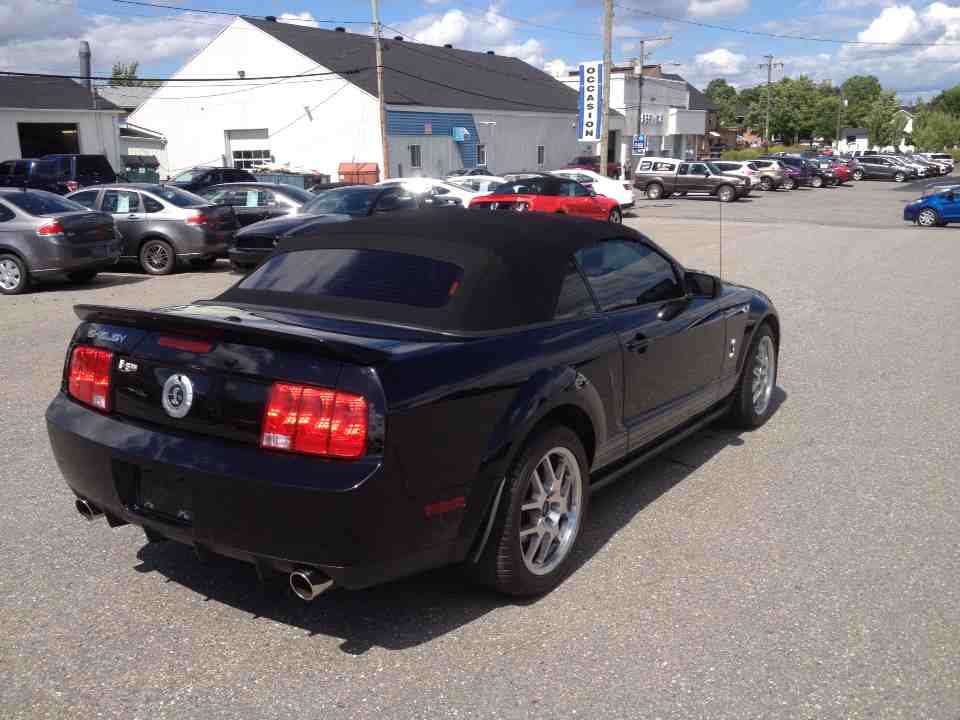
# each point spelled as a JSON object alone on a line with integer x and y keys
{"x": 605, "y": 83}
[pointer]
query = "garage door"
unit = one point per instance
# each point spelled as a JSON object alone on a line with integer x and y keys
{"x": 38, "y": 139}
{"x": 248, "y": 148}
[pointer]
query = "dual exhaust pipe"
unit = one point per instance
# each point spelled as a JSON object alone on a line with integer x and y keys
{"x": 306, "y": 584}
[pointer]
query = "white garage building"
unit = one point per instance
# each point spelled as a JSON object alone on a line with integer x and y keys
{"x": 446, "y": 108}
{"x": 45, "y": 116}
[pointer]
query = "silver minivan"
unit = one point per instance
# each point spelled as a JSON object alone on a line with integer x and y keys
{"x": 162, "y": 225}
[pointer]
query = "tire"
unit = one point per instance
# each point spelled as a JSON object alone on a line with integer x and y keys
{"x": 615, "y": 216}
{"x": 14, "y": 276}
{"x": 726, "y": 193}
{"x": 510, "y": 563}
{"x": 654, "y": 191}
{"x": 817, "y": 181}
{"x": 790, "y": 183}
{"x": 766, "y": 184}
{"x": 82, "y": 276}
{"x": 928, "y": 218}
{"x": 157, "y": 257}
{"x": 203, "y": 263}
{"x": 746, "y": 411}
{"x": 899, "y": 177}
{"x": 858, "y": 175}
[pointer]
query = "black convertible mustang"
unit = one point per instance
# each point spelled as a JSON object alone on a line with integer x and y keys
{"x": 403, "y": 392}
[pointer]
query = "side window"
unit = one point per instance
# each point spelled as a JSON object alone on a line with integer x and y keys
{"x": 119, "y": 202}
{"x": 396, "y": 199}
{"x": 697, "y": 169}
{"x": 684, "y": 169}
{"x": 664, "y": 166}
{"x": 19, "y": 169}
{"x": 87, "y": 198}
{"x": 5, "y": 212}
{"x": 150, "y": 205}
{"x": 575, "y": 299}
{"x": 624, "y": 273}
{"x": 646, "y": 165}
{"x": 580, "y": 191}
{"x": 415, "y": 156}
{"x": 6, "y": 168}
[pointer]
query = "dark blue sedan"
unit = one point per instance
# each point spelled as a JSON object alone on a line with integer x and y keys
{"x": 938, "y": 208}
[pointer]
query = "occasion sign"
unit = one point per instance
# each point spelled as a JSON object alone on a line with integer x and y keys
{"x": 590, "y": 120}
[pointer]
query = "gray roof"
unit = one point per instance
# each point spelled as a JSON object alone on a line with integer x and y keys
{"x": 428, "y": 75}
{"x": 128, "y": 97}
{"x": 699, "y": 101}
{"x": 45, "y": 93}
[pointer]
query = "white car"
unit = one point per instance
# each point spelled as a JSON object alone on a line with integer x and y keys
{"x": 480, "y": 184}
{"x": 619, "y": 190}
{"x": 433, "y": 187}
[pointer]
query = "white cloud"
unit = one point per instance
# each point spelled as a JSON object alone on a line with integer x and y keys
{"x": 556, "y": 67}
{"x": 300, "y": 18}
{"x": 681, "y": 8}
{"x": 488, "y": 30}
{"x": 720, "y": 62}
{"x": 894, "y": 25}
{"x": 112, "y": 38}
{"x": 712, "y": 8}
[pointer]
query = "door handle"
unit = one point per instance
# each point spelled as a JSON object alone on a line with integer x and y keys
{"x": 637, "y": 344}
{"x": 134, "y": 216}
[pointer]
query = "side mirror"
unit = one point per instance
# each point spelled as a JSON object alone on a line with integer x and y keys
{"x": 702, "y": 284}
{"x": 593, "y": 193}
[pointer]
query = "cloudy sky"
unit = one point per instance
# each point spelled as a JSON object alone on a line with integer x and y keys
{"x": 42, "y": 35}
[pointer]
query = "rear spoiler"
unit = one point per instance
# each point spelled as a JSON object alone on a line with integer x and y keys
{"x": 238, "y": 327}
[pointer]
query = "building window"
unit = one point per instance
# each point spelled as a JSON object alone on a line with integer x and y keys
{"x": 415, "y": 156}
{"x": 482, "y": 155}
{"x": 541, "y": 153}
{"x": 248, "y": 159}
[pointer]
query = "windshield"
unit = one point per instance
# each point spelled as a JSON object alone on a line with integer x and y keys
{"x": 42, "y": 203}
{"x": 297, "y": 194}
{"x": 528, "y": 186}
{"x": 178, "y": 197}
{"x": 357, "y": 200}
{"x": 188, "y": 175}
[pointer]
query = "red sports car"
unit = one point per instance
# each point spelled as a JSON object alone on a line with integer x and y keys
{"x": 546, "y": 193}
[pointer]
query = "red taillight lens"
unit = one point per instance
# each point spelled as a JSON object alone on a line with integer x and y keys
{"x": 316, "y": 421}
{"x": 51, "y": 227}
{"x": 197, "y": 219}
{"x": 72, "y": 186}
{"x": 89, "y": 377}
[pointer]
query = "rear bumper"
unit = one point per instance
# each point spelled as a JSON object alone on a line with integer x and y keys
{"x": 203, "y": 242}
{"x": 62, "y": 258}
{"x": 248, "y": 257}
{"x": 352, "y": 521}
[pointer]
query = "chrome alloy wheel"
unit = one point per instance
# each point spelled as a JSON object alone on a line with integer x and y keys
{"x": 927, "y": 217}
{"x": 764, "y": 373}
{"x": 550, "y": 513}
{"x": 157, "y": 256}
{"x": 9, "y": 275}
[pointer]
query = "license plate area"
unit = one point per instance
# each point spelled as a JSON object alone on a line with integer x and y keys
{"x": 165, "y": 496}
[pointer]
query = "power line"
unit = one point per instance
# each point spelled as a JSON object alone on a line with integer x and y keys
{"x": 208, "y": 11}
{"x": 14, "y": 73}
{"x": 779, "y": 36}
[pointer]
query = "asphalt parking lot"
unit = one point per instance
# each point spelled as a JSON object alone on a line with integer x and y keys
{"x": 810, "y": 569}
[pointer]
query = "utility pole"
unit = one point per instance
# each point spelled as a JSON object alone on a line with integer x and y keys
{"x": 638, "y": 71}
{"x": 384, "y": 146}
{"x": 769, "y": 65}
{"x": 607, "y": 62}
{"x": 841, "y": 101}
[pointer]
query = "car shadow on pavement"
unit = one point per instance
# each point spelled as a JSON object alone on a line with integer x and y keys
{"x": 101, "y": 282}
{"x": 416, "y": 610}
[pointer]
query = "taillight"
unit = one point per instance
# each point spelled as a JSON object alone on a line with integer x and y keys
{"x": 72, "y": 185}
{"x": 89, "y": 376}
{"x": 50, "y": 227}
{"x": 316, "y": 421}
{"x": 197, "y": 219}
{"x": 182, "y": 343}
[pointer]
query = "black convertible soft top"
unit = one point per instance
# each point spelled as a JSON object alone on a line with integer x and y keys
{"x": 513, "y": 265}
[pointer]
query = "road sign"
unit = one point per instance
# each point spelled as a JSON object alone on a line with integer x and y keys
{"x": 639, "y": 144}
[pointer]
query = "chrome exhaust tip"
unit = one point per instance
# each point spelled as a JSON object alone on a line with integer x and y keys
{"x": 88, "y": 511}
{"x": 308, "y": 584}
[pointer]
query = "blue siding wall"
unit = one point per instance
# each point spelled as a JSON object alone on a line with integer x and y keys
{"x": 400, "y": 122}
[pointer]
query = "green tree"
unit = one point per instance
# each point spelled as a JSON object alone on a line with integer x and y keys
{"x": 934, "y": 130}
{"x": 883, "y": 122}
{"x": 724, "y": 96}
{"x": 948, "y": 101}
{"x": 861, "y": 92}
{"x": 125, "y": 74}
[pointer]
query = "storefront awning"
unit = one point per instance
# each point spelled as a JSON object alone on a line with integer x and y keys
{"x": 140, "y": 161}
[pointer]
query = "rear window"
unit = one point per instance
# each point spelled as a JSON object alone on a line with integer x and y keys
{"x": 377, "y": 275}
{"x": 527, "y": 186}
{"x": 178, "y": 197}
{"x": 41, "y": 203}
{"x": 93, "y": 165}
